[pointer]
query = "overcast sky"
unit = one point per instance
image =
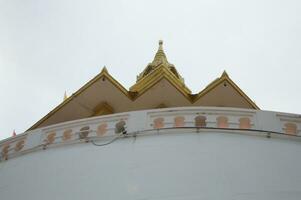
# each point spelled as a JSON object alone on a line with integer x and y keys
{"x": 47, "y": 47}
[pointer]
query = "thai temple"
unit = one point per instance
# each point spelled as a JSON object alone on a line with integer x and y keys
{"x": 155, "y": 141}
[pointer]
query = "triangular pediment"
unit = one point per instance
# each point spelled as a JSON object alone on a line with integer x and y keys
{"x": 223, "y": 92}
{"x": 101, "y": 95}
{"x": 155, "y": 76}
{"x": 163, "y": 93}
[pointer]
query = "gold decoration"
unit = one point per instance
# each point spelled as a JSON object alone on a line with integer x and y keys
{"x": 103, "y": 109}
{"x": 65, "y": 96}
{"x": 157, "y": 70}
{"x": 160, "y": 59}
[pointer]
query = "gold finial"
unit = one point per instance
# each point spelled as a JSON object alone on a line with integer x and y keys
{"x": 225, "y": 74}
{"x": 160, "y": 44}
{"x": 104, "y": 69}
{"x": 65, "y": 96}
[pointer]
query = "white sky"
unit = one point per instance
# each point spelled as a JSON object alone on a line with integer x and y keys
{"x": 47, "y": 47}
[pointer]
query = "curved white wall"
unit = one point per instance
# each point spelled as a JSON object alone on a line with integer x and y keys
{"x": 172, "y": 164}
{"x": 165, "y": 166}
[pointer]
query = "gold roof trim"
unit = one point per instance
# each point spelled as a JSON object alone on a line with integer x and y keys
{"x": 65, "y": 96}
{"x": 216, "y": 82}
{"x": 145, "y": 84}
{"x": 159, "y": 71}
{"x": 103, "y": 74}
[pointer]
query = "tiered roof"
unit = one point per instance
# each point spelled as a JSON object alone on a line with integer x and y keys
{"x": 159, "y": 85}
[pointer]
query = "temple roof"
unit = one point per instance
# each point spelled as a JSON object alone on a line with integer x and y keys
{"x": 160, "y": 59}
{"x": 104, "y": 95}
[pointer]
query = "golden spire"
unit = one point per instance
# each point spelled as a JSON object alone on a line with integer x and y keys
{"x": 160, "y": 57}
{"x": 65, "y": 96}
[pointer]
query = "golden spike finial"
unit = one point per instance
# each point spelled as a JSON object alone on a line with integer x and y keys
{"x": 160, "y": 56}
{"x": 158, "y": 61}
{"x": 161, "y": 45}
{"x": 225, "y": 74}
{"x": 65, "y": 96}
{"x": 104, "y": 69}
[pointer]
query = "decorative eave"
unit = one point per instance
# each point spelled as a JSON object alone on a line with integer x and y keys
{"x": 224, "y": 77}
{"x": 103, "y": 74}
{"x": 154, "y": 77}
